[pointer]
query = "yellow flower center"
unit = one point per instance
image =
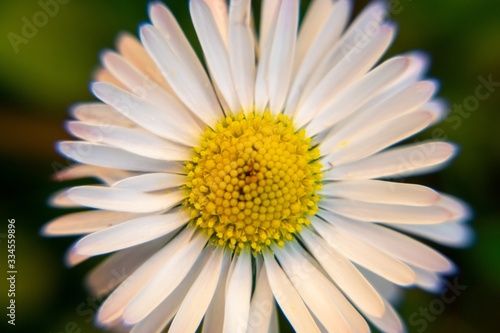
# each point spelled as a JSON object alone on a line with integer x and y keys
{"x": 253, "y": 181}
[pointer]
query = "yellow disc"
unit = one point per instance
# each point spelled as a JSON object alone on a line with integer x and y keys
{"x": 253, "y": 181}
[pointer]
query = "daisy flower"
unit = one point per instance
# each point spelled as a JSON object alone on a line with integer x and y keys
{"x": 264, "y": 181}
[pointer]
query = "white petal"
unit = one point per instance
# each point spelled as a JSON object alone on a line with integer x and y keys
{"x": 396, "y": 100}
{"x": 61, "y": 199}
{"x": 112, "y": 309}
{"x": 415, "y": 72}
{"x": 85, "y": 222}
{"x": 151, "y": 182}
{"x": 106, "y": 175}
{"x": 282, "y": 55}
{"x": 269, "y": 18}
{"x": 439, "y": 108}
{"x": 219, "y": 11}
{"x": 238, "y": 293}
{"x": 402, "y": 102}
{"x": 164, "y": 282}
{"x": 401, "y": 161}
{"x": 287, "y": 297}
{"x": 72, "y": 258}
{"x": 312, "y": 286}
{"x": 130, "y": 233}
{"x": 364, "y": 26}
{"x": 369, "y": 118}
{"x": 215, "y": 51}
{"x": 350, "y": 99}
{"x": 214, "y": 317}
{"x": 109, "y": 157}
{"x": 132, "y": 140}
{"x": 103, "y": 75}
{"x": 352, "y": 316}
{"x": 315, "y": 18}
{"x": 143, "y": 86}
{"x": 131, "y": 48}
{"x": 188, "y": 317}
{"x": 123, "y": 200}
{"x": 387, "y": 135}
{"x": 331, "y": 18}
{"x": 262, "y": 305}
{"x": 242, "y": 52}
{"x": 163, "y": 20}
{"x": 163, "y": 314}
{"x": 449, "y": 233}
{"x": 273, "y": 325}
{"x": 117, "y": 267}
{"x": 460, "y": 210}
{"x": 390, "y": 322}
{"x": 353, "y": 65}
{"x": 366, "y": 255}
{"x": 170, "y": 50}
{"x": 393, "y": 243}
{"x": 100, "y": 114}
{"x": 225, "y": 107}
{"x": 428, "y": 280}
{"x": 387, "y": 290}
{"x": 386, "y": 213}
{"x": 344, "y": 274}
{"x": 167, "y": 122}
{"x": 377, "y": 191}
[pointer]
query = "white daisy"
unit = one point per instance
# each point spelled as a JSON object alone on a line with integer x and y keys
{"x": 257, "y": 185}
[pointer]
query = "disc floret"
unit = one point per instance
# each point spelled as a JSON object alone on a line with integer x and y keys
{"x": 253, "y": 181}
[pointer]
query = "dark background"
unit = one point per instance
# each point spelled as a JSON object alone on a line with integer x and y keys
{"x": 52, "y": 70}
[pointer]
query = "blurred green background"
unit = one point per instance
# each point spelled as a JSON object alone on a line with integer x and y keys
{"x": 51, "y": 71}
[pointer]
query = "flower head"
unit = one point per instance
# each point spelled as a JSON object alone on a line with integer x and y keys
{"x": 262, "y": 181}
